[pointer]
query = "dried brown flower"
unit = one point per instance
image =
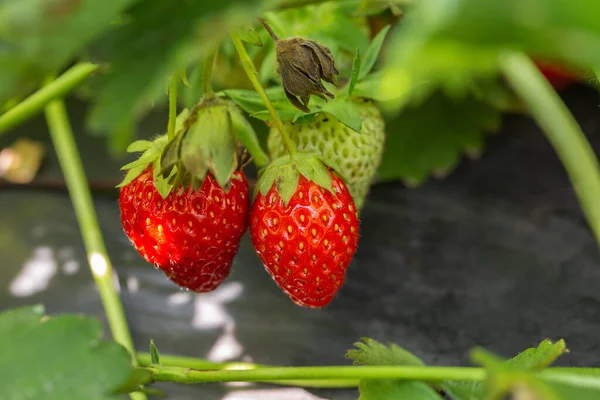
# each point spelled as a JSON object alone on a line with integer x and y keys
{"x": 302, "y": 65}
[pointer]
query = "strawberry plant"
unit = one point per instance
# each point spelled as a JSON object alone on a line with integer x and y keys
{"x": 324, "y": 99}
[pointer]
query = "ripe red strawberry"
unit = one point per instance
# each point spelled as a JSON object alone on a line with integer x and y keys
{"x": 558, "y": 76}
{"x": 191, "y": 236}
{"x": 306, "y": 245}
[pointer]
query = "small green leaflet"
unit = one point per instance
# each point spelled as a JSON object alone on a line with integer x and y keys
{"x": 371, "y": 352}
{"x": 355, "y": 72}
{"x": 372, "y": 53}
{"x": 395, "y": 390}
{"x": 345, "y": 112}
{"x": 154, "y": 356}
{"x": 250, "y": 36}
{"x": 77, "y": 362}
{"x": 341, "y": 107}
{"x": 532, "y": 359}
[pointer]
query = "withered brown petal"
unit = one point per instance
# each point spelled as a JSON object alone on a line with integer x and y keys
{"x": 296, "y": 103}
{"x": 294, "y": 82}
{"x": 325, "y": 61}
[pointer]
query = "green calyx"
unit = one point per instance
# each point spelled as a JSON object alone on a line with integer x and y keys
{"x": 212, "y": 138}
{"x": 206, "y": 143}
{"x": 285, "y": 174}
{"x": 151, "y": 155}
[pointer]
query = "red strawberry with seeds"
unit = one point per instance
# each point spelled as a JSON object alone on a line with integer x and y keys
{"x": 185, "y": 201}
{"x": 191, "y": 236}
{"x": 305, "y": 231}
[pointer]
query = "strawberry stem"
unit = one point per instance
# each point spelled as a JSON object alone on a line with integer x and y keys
{"x": 250, "y": 69}
{"x": 79, "y": 191}
{"x": 144, "y": 359}
{"x": 562, "y": 131}
{"x": 33, "y": 104}
{"x": 269, "y": 374}
{"x": 268, "y": 28}
{"x": 173, "y": 86}
{"x": 207, "y": 69}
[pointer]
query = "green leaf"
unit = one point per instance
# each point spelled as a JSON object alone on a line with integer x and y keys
{"x": 395, "y": 390}
{"x": 373, "y": 52}
{"x": 154, "y": 356}
{"x": 355, "y": 72}
{"x": 251, "y": 102}
{"x": 429, "y": 138}
{"x": 532, "y": 359}
{"x": 371, "y": 352}
{"x": 77, "y": 362}
{"x": 131, "y": 174}
{"x": 247, "y": 136}
{"x": 536, "y": 358}
{"x": 344, "y": 111}
{"x": 183, "y": 31}
{"x": 450, "y": 42}
{"x": 139, "y": 146}
{"x": 40, "y": 37}
{"x": 249, "y": 35}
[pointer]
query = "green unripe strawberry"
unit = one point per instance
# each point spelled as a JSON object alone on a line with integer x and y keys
{"x": 357, "y": 154}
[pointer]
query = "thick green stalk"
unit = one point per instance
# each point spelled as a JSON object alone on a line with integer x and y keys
{"x": 70, "y": 162}
{"x": 562, "y": 131}
{"x": 198, "y": 363}
{"x": 250, "y": 69}
{"x": 173, "y": 86}
{"x": 430, "y": 374}
{"x": 34, "y": 104}
{"x": 207, "y": 68}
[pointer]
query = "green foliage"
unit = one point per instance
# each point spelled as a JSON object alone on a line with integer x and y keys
{"x": 371, "y": 352}
{"x": 515, "y": 374}
{"x": 430, "y": 137}
{"x": 393, "y": 390}
{"x": 154, "y": 356}
{"x": 449, "y": 42}
{"x": 39, "y": 37}
{"x": 62, "y": 357}
{"x": 158, "y": 38}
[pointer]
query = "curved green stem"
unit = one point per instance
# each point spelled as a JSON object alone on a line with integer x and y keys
{"x": 70, "y": 162}
{"x": 144, "y": 359}
{"x": 173, "y": 86}
{"x": 34, "y": 104}
{"x": 207, "y": 69}
{"x": 562, "y": 131}
{"x": 430, "y": 374}
{"x": 250, "y": 69}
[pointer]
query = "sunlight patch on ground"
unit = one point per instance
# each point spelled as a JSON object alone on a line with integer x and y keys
{"x": 133, "y": 284}
{"x": 226, "y": 347}
{"x": 35, "y": 274}
{"x": 210, "y": 312}
{"x": 179, "y": 299}
{"x": 209, "y": 308}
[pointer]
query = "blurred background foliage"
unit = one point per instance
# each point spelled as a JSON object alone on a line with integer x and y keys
{"x": 438, "y": 80}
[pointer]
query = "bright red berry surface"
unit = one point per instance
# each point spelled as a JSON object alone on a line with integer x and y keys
{"x": 558, "y": 76}
{"x": 192, "y": 237}
{"x": 307, "y": 245}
